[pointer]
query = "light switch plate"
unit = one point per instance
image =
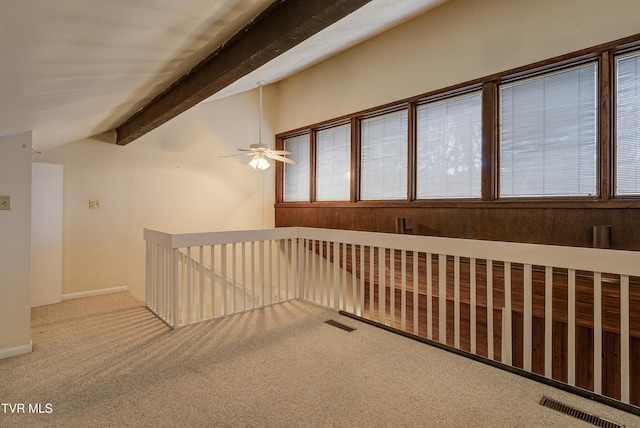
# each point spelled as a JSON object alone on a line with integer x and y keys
{"x": 94, "y": 204}
{"x": 5, "y": 202}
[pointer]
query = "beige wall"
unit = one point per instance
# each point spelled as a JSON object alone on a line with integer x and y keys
{"x": 15, "y": 245}
{"x": 458, "y": 41}
{"x": 172, "y": 180}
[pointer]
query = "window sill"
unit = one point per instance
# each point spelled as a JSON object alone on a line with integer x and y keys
{"x": 519, "y": 203}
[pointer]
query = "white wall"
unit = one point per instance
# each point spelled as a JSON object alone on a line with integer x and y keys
{"x": 46, "y": 234}
{"x": 171, "y": 179}
{"x": 15, "y": 245}
{"x": 459, "y": 41}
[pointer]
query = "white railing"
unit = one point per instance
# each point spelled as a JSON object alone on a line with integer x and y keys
{"x": 250, "y": 269}
{"x": 507, "y": 302}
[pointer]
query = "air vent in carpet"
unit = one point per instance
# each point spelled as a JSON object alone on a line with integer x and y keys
{"x": 568, "y": 410}
{"x": 339, "y": 325}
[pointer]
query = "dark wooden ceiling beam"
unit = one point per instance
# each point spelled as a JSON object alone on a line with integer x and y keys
{"x": 283, "y": 25}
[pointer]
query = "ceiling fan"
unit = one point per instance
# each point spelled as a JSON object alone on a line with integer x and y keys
{"x": 262, "y": 152}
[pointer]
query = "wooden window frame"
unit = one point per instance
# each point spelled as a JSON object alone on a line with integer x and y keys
{"x": 314, "y": 157}
{"x": 626, "y": 50}
{"x": 541, "y": 72}
{"x": 465, "y": 90}
{"x": 604, "y": 54}
{"x": 410, "y": 125}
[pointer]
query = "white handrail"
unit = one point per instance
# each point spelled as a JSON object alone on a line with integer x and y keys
{"x": 183, "y": 240}
{"x": 590, "y": 259}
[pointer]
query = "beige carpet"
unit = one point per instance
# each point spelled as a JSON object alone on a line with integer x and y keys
{"x": 106, "y": 361}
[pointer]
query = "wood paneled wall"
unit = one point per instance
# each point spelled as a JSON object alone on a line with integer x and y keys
{"x": 526, "y": 223}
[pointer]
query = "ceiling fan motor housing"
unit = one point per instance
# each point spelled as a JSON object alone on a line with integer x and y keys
{"x": 260, "y": 147}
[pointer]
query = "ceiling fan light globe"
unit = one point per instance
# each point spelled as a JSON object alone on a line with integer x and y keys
{"x": 260, "y": 163}
{"x": 263, "y": 164}
{"x": 253, "y": 163}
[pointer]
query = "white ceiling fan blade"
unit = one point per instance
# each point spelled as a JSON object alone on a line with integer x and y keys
{"x": 244, "y": 150}
{"x": 280, "y": 158}
{"x": 239, "y": 154}
{"x": 281, "y": 152}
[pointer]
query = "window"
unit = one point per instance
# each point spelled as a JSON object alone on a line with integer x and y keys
{"x": 449, "y": 148}
{"x": 627, "y": 156}
{"x": 333, "y": 164}
{"x": 296, "y": 177}
{"x": 384, "y": 157}
{"x": 540, "y": 139}
{"x": 548, "y": 134}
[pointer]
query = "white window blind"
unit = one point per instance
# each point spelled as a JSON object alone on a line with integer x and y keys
{"x": 628, "y": 125}
{"x": 548, "y": 134}
{"x": 449, "y": 148}
{"x": 296, "y": 177}
{"x": 333, "y": 164}
{"x": 384, "y": 157}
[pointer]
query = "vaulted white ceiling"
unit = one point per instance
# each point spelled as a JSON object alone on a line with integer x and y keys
{"x": 71, "y": 69}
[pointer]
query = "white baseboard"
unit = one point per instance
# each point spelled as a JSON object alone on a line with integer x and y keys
{"x": 18, "y": 350}
{"x": 82, "y": 294}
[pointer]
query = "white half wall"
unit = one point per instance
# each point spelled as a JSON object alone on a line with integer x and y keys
{"x": 456, "y": 42}
{"x": 171, "y": 179}
{"x": 15, "y": 245}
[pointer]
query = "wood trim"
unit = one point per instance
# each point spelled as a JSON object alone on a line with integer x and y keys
{"x": 357, "y": 154}
{"x": 489, "y": 141}
{"x": 355, "y": 163}
{"x": 313, "y": 159}
{"x": 333, "y": 124}
{"x": 605, "y": 190}
{"x": 613, "y": 132}
{"x": 279, "y": 173}
{"x": 283, "y": 25}
{"x": 386, "y": 109}
{"x": 412, "y": 127}
{"x": 617, "y": 203}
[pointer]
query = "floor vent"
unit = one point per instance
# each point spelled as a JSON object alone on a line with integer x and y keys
{"x": 567, "y": 410}
{"x": 339, "y": 325}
